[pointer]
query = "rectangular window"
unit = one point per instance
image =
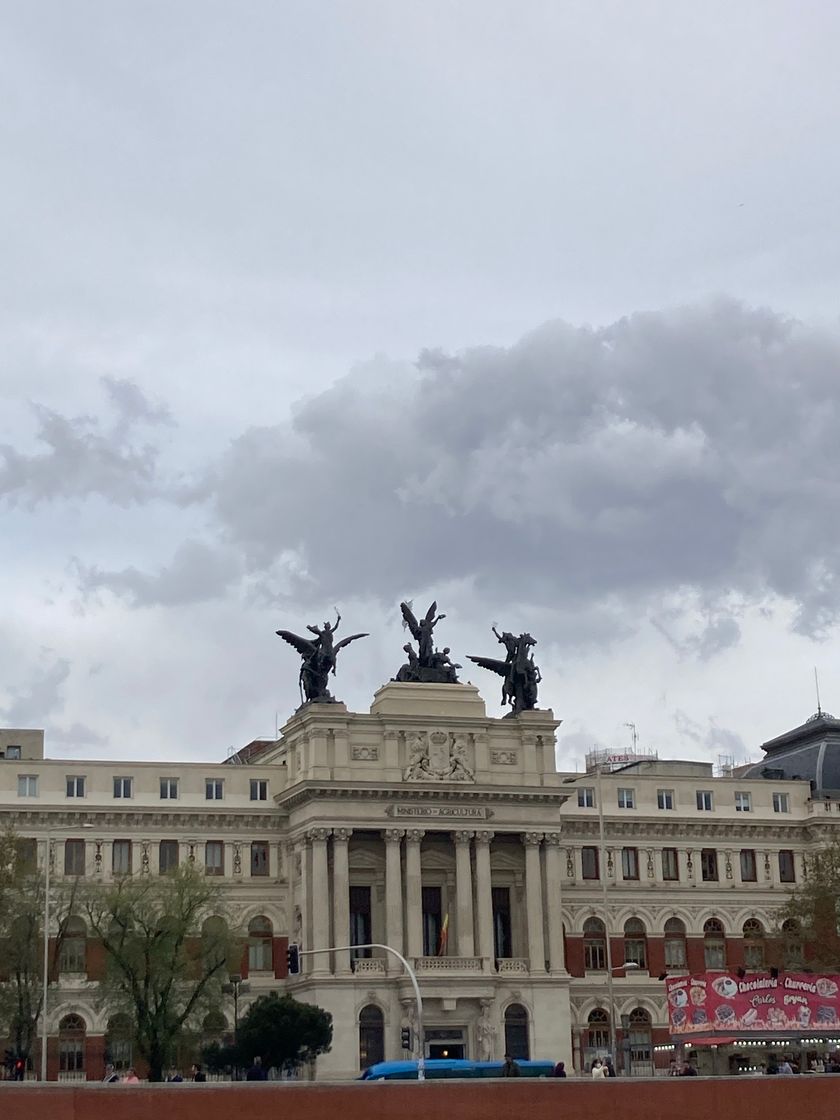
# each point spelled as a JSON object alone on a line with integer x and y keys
{"x": 74, "y": 857}
{"x": 259, "y": 857}
{"x": 259, "y": 789}
{"x": 27, "y": 855}
{"x": 743, "y": 803}
{"x": 27, "y": 785}
{"x": 675, "y": 952}
{"x": 432, "y": 922}
{"x": 122, "y": 787}
{"x": 13, "y": 753}
{"x": 709, "y": 865}
{"x": 665, "y": 798}
{"x": 214, "y": 857}
{"x": 71, "y": 1055}
{"x": 630, "y": 863}
{"x": 122, "y": 857}
{"x": 589, "y": 863}
{"x": 586, "y": 797}
{"x": 748, "y": 867}
{"x": 781, "y": 803}
{"x": 361, "y": 927}
{"x": 214, "y": 789}
{"x": 787, "y": 871}
{"x": 71, "y": 955}
{"x": 502, "y": 925}
{"x": 670, "y": 865}
{"x": 705, "y": 801}
{"x": 75, "y": 787}
{"x": 169, "y": 789}
{"x": 627, "y": 799}
{"x": 167, "y": 856}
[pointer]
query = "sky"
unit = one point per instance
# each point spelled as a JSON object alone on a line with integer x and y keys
{"x": 529, "y": 309}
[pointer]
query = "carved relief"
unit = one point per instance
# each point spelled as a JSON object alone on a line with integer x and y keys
{"x": 365, "y": 754}
{"x": 532, "y": 839}
{"x": 97, "y": 859}
{"x": 144, "y": 859}
{"x": 438, "y": 756}
{"x": 393, "y": 835}
{"x": 504, "y": 758}
{"x": 237, "y": 857}
{"x": 570, "y": 863}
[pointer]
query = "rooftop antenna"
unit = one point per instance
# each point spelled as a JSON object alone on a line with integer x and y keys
{"x": 633, "y": 734}
{"x": 817, "y": 685}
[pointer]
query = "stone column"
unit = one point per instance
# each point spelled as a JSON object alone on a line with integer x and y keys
{"x": 484, "y": 899}
{"x": 341, "y": 899}
{"x": 533, "y": 901}
{"x": 319, "y": 887}
{"x": 553, "y": 878}
{"x": 413, "y": 893}
{"x": 463, "y": 893}
{"x": 393, "y": 896}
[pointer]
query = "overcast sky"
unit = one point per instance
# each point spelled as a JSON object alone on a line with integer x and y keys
{"x": 531, "y": 308}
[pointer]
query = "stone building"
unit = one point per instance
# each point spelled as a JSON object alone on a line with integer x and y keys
{"x": 518, "y": 893}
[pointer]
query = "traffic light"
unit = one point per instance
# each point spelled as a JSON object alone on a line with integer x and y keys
{"x": 293, "y": 959}
{"x": 405, "y": 1038}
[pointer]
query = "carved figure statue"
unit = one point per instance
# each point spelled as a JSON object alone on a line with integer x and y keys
{"x": 521, "y": 674}
{"x": 427, "y": 665}
{"x": 459, "y": 768}
{"x": 485, "y": 1032}
{"x": 418, "y": 759}
{"x": 319, "y": 659}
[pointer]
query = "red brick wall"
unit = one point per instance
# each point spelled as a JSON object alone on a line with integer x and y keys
{"x": 663, "y": 1099}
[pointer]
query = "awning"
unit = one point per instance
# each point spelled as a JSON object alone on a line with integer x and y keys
{"x": 706, "y": 1040}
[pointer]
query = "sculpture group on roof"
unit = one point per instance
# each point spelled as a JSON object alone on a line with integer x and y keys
{"x": 425, "y": 665}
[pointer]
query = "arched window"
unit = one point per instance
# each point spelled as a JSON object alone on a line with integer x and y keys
{"x": 119, "y": 1042}
{"x": 675, "y": 956}
{"x": 753, "y": 944}
{"x": 714, "y": 944}
{"x": 71, "y": 955}
{"x": 598, "y": 1029}
{"x": 792, "y": 944}
{"x": 594, "y": 945}
{"x": 371, "y": 1036}
{"x": 71, "y": 1046}
{"x": 260, "y": 956}
{"x": 635, "y": 942}
{"x": 214, "y": 940}
{"x": 516, "y": 1032}
{"x": 641, "y": 1049}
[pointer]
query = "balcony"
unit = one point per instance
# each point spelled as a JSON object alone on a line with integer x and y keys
{"x": 369, "y": 966}
{"x": 512, "y": 966}
{"x": 447, "y": 964}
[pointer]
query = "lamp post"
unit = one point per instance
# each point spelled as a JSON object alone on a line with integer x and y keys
{"x": 46, "y": 976}
{"x": 236, "y": 986}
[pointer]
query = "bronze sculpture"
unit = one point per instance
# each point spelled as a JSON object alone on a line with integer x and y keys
{"x": 521, "y": 674}
{"x": 427, "y": 665}
{"x": 319, "y": 659}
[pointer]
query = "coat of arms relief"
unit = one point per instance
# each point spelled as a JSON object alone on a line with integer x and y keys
{"x": 438, "y": 756}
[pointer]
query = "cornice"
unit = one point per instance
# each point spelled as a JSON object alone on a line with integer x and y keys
{"x": 308, "y": 791}
{"x": 682, "y": 831}
{"x": 144, "y": 818}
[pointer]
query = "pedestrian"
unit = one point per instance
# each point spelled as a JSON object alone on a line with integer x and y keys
{"x": 174, "y": 1076}
{"x": 198, "y": 1073}
{"x": 608, "y": 1062}
{"x": 131, "y": 1077}
{"x": 111, "y": 1076}
{"x": 510, "y": 1068}
{"x": 256, "y": 1072}
{"x": 598, "y": 1069}
{"x": 786, "y": 1068}
{"x": 560, "y": 1069}
{"x": 688, "y": 1070}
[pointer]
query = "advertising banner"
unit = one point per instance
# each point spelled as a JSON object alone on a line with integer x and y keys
{"x": 793, "y": 1002}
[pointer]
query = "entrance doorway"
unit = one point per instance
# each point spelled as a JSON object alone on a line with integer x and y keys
{"x": 446, "y": 1050}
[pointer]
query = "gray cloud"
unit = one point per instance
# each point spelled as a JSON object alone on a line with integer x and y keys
{"x": 85, "y": 456}
{"x": 30, "y": 704}
{"x": 712, "y": 737}
{"x": 197, "y": 572}
{"x": 684, "y": 449}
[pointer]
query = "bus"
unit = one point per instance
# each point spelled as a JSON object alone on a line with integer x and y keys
{"x": 449, "y": 1068}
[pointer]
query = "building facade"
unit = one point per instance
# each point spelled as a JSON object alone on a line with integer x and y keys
{"x": 519, "y": 894}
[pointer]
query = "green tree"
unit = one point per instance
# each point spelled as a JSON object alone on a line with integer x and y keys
{"x": 21, "y": 932}
{"x": 283, "y": 1032}
{"x": 168, "y": 949}
{"x": 808, "y": 924}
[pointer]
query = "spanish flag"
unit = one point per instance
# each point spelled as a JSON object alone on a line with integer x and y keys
{"x": 444, "y": 936}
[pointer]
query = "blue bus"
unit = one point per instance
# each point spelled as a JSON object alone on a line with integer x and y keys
{"x": 442, "y": 1068}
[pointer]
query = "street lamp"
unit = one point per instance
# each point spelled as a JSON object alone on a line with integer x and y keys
{"x": 236, "y": 986}
{"x": 46, "y": 979}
